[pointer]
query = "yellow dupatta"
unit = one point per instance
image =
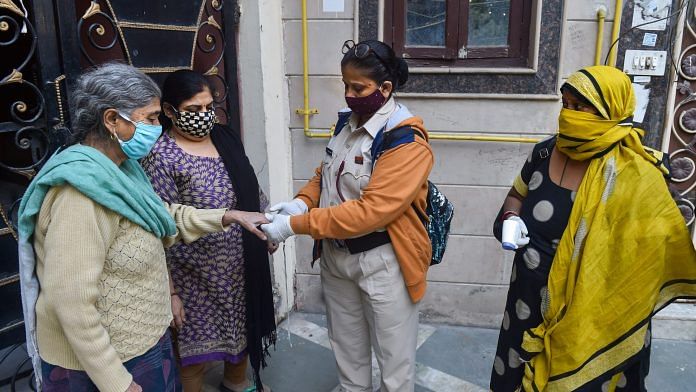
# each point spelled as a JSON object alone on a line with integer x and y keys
{"x": 625, "y": 254}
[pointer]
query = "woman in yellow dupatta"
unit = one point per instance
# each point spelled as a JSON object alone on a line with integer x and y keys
{"x": 599, "y": 265}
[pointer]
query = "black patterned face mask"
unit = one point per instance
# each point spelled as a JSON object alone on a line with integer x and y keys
{"x": 198, "y": 124}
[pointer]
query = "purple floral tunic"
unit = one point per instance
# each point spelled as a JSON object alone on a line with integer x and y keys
{"x": 208, "y": 273}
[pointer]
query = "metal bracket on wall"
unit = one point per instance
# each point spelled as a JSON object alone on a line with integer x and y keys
{"x": 302, "y": 112}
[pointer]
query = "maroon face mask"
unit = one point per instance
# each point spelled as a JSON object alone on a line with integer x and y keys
{"x": 366, "y": 105}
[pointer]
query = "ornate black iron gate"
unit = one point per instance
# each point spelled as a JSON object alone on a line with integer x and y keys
{"x": 44, "y": 45}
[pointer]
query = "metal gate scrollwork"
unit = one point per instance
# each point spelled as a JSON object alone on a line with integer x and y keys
{"x": 23, "y": 102}
{"x": 681, "y": 138}
{"x": 108, "y": 30}
{"x": 44, "y": 46}
{"x": 25, "y": 144}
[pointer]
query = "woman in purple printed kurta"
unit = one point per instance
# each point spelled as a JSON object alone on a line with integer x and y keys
{"x": 209, "y": 274}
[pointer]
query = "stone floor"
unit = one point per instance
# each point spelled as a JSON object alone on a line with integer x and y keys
{"x": 450, "y": 359}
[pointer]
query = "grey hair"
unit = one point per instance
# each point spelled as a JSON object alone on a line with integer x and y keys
{"x": 108, "y": 86}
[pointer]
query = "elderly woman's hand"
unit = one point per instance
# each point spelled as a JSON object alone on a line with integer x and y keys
{"x": 179, "y": 316}
{"x": 248, "y": 220}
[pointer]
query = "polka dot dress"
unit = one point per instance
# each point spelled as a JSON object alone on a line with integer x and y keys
{"x": 545, "y": 211}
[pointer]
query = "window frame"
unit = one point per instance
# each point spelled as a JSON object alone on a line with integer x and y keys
{"x": 515, "y": 54}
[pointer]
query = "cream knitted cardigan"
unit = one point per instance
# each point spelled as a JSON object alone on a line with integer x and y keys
{"x": 104, "y": 296}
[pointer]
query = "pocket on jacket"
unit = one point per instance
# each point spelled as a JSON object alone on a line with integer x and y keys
{"x": 355, "y": 177}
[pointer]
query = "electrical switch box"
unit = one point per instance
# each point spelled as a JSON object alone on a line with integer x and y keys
{"x": 645, "y": 62}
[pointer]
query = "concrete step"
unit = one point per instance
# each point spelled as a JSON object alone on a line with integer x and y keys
{"x": 675, "y": 322}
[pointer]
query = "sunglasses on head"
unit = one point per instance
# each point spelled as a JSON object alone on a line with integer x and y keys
{"x": 362, "y": 50}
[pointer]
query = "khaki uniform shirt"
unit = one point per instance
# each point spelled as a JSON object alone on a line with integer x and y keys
{"x": 347, "y": 165}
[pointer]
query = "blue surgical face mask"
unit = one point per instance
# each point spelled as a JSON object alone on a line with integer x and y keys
{"x": 143, "y": 139}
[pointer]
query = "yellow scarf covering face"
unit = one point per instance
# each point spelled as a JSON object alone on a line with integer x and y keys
{"x": 584, "y": 136}
{"x": 624, "y": 255}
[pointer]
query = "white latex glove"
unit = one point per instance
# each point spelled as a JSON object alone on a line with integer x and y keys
{"x": 292, "y": 207}
{"x": 518, "y": 238}
{"x": 279, "y": 229}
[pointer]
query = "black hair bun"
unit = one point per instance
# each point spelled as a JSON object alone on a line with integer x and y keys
{"x": 400, "y": 70}
{"x": 383, "y": 65}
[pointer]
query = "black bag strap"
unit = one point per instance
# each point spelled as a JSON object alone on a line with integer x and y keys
{"x": 544, "y": 151}
{"x": 387, "y": 140}
{"x": 343, "y": 118}
{"x": 540, "y": 153}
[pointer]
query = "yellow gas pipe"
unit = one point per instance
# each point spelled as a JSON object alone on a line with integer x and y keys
{"x": 601, "y": 16}
{"x": 616, "y": 27}
{"x": 451, "y": 136}
{"x": 475, "y": 138}
{"x": 306, "y": 111}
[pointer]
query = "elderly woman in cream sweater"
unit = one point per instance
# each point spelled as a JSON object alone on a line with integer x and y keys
{"x": 95, "y": 285}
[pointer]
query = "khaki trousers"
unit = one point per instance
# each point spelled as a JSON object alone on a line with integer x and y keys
{"x": 368, "y": 306}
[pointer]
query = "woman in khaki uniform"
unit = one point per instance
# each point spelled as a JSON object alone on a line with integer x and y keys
{"x": 366, "y": 215}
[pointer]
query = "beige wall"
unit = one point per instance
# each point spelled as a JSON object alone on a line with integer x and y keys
{"x": 263, "y": 100}
{"x": 470, "y": 286}
{"x": 580, "y": 34}
{"x": 326, "y": 34}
